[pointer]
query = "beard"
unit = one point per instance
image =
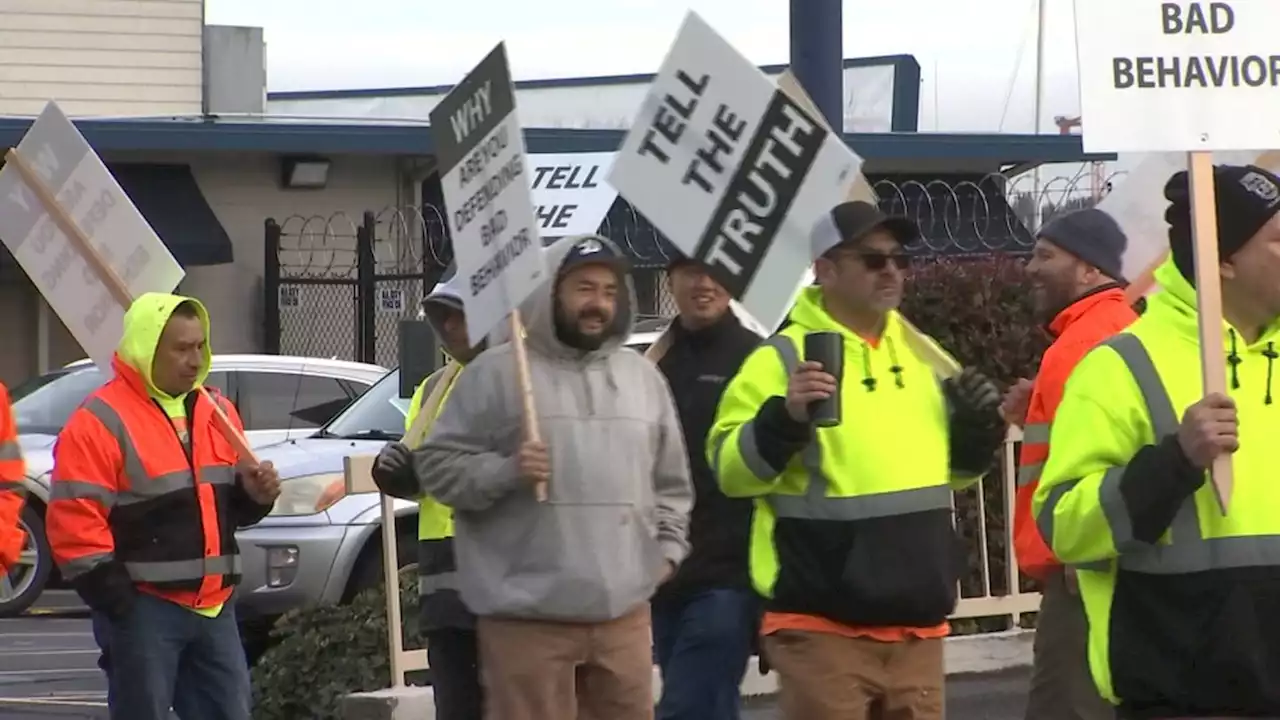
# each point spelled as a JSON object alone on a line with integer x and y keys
{"x": 569, "y": 329}
{"x": 1051, "y": 298}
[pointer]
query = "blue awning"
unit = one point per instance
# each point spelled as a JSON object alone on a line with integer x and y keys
{"x": 171, "y": 201}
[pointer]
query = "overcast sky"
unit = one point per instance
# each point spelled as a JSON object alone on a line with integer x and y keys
{"x": 977, "y": 57}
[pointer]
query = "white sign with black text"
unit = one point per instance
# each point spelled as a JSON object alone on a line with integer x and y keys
{"x": 483, "y": 173}
{"x": 1179, "y": 76}
{"x": 84, "y": 187}
{"x": 733, "y": 171}
{"x": 570, "y": 194}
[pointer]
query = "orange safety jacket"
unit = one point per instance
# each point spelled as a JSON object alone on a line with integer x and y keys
{"x": 12, "y": 491}
{"x": 127, "y": 490}
{"x": 1084, "y": 324}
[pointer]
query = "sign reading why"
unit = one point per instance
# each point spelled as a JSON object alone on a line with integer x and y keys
{"x": 84, "y": 187}
{"x": 570, "y": 194}
{"x": 732, "y": 170}
{"x": 486, "y": 191}
{"x": 1179, "y": 76}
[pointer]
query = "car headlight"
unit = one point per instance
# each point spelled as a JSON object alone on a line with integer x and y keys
{"x": 307, "y": 495}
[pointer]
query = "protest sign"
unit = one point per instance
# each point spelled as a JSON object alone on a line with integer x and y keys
{"x": 480, "y": 148}
{"x": 570, "y": 193}
{"x": 1165, "y": 76}
{"x": 54, "y": 149}
{"x": 1193, "y": 77}
{"x": 82, "y": 242}
{"x": 733, "y": 171}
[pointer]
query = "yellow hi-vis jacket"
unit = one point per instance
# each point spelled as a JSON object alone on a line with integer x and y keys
{"x": 1183, "y": 602}
{"x": 437, "y": 569}
{"x": 852, "y": 522}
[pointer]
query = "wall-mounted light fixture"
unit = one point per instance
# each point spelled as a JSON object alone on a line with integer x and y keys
{"x": 304, "y": 173}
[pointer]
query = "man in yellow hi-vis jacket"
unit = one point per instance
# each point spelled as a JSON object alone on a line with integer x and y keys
{"x": 852, "y": 542}
{"x": 1183, "y": 601}
{"x": 450, "y": 628}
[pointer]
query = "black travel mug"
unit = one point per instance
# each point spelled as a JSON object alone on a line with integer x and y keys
{"x": 826, "y": 348}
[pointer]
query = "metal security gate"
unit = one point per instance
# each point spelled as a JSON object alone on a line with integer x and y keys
{"x": 338, "y": 288}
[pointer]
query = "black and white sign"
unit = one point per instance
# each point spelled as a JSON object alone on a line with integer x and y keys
{"x": 85, "y": 188}
{"x": 1179, "y": 76}
{"x": 732, "y": 170}
{"x": 486, "y": 191}
{"x": 570, "y": 193}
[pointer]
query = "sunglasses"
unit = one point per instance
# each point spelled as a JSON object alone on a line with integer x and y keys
{"x": 875, "y": 261}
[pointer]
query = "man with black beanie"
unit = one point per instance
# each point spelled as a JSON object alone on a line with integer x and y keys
{"x": 1181, "y": 597}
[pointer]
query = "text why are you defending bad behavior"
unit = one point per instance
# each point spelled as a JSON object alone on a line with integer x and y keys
{"x": 1197, "y": 71}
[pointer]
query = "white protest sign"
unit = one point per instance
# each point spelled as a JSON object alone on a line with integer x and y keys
{"x": 54, "y": 149}
{"x": 486, "y": 192}
{"x": 732, "y": 170}
{"x": 1179, "y": 76}
{"x": 570, "y": 194}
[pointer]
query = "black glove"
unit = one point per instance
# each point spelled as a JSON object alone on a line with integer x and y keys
{"x": 977, "y": 429}
{"x": 393, "y": 472}
{"x": 108, "y": 589}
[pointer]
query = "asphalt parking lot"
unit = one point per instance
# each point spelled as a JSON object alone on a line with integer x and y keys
{"x": 48, "y": 669}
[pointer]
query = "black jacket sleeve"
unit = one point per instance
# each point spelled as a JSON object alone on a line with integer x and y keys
{"x": 1155, "y": 483}
{"x": 244, "y": 509}
{"x": 778, "y": 436}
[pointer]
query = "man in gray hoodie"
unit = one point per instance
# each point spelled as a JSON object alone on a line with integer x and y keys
{"x": 561, "y": 587}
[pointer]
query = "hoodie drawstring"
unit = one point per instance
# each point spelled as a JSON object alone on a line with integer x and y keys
{"x": 1234, "y": 360}
{"x": 868, "y": 380}
{"x": 1270, "y": 354}
{"x": 896, "y": 367}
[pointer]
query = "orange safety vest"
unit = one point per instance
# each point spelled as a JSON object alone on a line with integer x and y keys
{"x": 1078, "y": 329}
{"x": 12, "y": 491}
{"x": 125, "y": 488}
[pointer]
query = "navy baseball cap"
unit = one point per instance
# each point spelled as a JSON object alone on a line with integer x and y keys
{"x": 593, "y": 250}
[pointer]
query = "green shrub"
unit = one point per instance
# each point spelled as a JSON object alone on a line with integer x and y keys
{"x": 325, "y": 653}
{"x": 980, "y": 310}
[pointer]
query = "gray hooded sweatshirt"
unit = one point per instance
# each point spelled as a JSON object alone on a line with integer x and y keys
{"x": 620, "y": 492}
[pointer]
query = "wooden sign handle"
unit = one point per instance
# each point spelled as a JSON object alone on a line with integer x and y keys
{"x": 1204, "y": 221}
{"x": 114, "y": 283}
{"x": 532, "y": 432}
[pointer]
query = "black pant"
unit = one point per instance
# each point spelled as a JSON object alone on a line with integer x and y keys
{"x": 455, "y": 674}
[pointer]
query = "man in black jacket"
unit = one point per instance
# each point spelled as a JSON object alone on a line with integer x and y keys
{"x": 704, "y": 617}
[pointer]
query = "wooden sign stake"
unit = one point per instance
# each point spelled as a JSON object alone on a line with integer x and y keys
{"x": 532, "y": 431}
{"x": 1209, "y": 300}
{"x": 113, "y": 282}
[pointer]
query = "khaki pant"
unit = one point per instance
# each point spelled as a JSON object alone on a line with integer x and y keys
{"x": 831, "y": 677}
{"x": 533, "y": 670}
{"x": 1062, "y": 687}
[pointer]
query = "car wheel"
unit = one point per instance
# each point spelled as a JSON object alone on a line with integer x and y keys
{"x": 25, "y": 581}
{"x": 367, "y": 572}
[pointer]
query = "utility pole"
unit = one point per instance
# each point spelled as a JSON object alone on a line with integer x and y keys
{"x": 1039, "y": 104}
{"x": 817, "y": 55}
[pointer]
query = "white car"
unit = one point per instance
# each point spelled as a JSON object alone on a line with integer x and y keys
{"x": 278, "y": 397}
{"x": 310, "y": 551}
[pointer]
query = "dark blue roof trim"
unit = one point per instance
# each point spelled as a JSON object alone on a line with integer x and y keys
{"x": 901, "y": 62}
{"x": 399, "y": 139}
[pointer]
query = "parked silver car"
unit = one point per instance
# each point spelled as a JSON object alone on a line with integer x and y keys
{"x": 279, "y": 398}
{"x": 312, "y": 550}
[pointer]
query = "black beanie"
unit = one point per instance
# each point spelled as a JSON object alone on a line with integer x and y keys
{"x": 1246, "y": 198}
{"x": 1091, "y": 235}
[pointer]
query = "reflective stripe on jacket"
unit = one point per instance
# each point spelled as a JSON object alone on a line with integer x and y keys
{"x": 852, "y": 522}
{"x": 1181, "y": 598}
{"x": 1077, "y": 330}
{"x": 12, "y": 491}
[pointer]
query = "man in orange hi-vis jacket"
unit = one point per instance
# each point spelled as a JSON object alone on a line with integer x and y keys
{"x": 12, "y": 492}
{"x": 1075, "y": 270}
{"x": 146, "y": 498}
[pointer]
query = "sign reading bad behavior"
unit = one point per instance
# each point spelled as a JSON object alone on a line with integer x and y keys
{"x": 486, "y": 192}
{"x": 1179, "y": 76}
{"x": 732, "y": 170}
{"x": 83, "y": 186}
